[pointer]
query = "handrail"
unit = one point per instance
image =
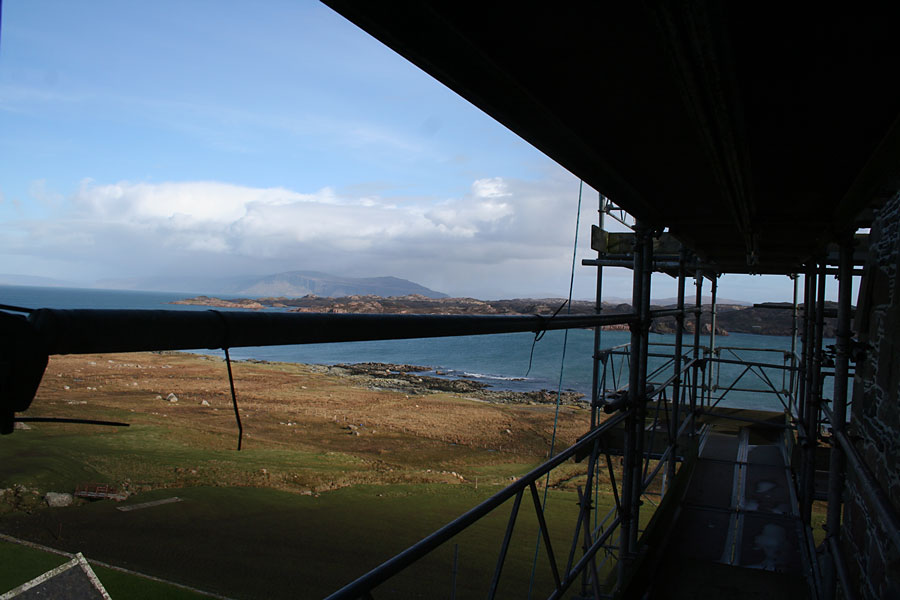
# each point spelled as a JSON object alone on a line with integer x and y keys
{"x": 746, "y": 363}
{"x": 86, "y": 331}
{"x": 391, "y": 567}
{"x": 749, "y": 349}
{"x": 672, "y": 379}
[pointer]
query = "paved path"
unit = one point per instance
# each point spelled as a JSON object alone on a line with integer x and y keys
{"x": 15, "y": 540}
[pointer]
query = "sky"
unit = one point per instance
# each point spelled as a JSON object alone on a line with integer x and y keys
{"x": 218, "y": 138}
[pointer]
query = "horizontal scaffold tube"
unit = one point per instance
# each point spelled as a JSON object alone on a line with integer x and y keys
{"x": 85, "y": 331}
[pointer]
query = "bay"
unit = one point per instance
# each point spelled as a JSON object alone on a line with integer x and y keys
{"x": 501, "y": 361}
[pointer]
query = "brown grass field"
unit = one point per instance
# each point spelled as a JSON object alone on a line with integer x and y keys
{"x": 334, "y": 476}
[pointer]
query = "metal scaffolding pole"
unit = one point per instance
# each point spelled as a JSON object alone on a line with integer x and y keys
{"x": 711, "y": 369}
{"x": 839, "y": 417}
{"x": 676, "y": 385}
{"x": 644, "y": 320}
{"x": 634, "y": 424}
{"x": 598, "y": 308}
{"x": 804, "y": 378}
{"x": 793, "y": 372}
{"x": 815, "y": 397}
{"x": 806, "y": 341}
{"x": 628, "y": 457}
{"x": 86, "y": 331}
{"x": 698, "y": 303}
{"x": 595, "y": 390}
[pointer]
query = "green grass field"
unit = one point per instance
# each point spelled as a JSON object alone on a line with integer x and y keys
{"x": 298, "y": 513}
{"x": 256, "y": 543}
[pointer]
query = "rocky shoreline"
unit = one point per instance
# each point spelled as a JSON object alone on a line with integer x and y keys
{"x": 411, "y": 379}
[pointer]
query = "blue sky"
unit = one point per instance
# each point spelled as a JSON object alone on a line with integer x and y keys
{"x": 204, "y": 138}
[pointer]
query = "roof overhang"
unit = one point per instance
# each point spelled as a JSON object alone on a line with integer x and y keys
{"x": 756, "y": 136}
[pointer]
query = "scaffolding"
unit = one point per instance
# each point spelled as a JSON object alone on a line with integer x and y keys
{"x": 648, "y": 432}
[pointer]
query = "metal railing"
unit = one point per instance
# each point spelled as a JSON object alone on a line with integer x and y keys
{"x": 593, "y": 532}
{"x": 54, "y": 331}
{"x": 591, "y": 444}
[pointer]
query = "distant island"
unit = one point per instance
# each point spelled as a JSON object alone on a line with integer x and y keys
{"x": 288, "y": 283}
{"x": 765, "y": 319}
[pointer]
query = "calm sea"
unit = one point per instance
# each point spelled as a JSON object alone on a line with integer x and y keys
{"x": 498, "y": 360}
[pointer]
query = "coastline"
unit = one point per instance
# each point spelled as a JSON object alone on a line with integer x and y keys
{"x": 413, "y": 379}
{"x": 731, "y": 318}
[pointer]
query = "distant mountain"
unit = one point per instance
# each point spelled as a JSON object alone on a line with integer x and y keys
{"x": 291, "y": 284}
{"x": 302, "y": 283}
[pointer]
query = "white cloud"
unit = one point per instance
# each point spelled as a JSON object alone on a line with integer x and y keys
{"x": 504, "y": 233}
{"x": 493, "y": 187}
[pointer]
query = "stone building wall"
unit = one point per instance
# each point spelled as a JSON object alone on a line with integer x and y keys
{"x": 874, "y": 561}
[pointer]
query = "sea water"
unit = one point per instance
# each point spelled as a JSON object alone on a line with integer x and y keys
{"x": 511, "y": 361}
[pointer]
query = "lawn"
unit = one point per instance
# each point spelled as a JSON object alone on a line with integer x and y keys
{"x": 258, "y": 543}
{"x": 333, "y": 480}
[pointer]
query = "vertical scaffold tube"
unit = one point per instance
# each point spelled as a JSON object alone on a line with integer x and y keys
{"x": 646, "y": 241}
{"x": 817, "y": 389}
{"x": 814, "y": 396}
{"x": 839, "y": 411}
{"x": 631, "y": 460}
{"x": 698, "y": 379}
{"x": 644, "y": 323}
{"x": 598, "y": 308}
{"x": 806, "y": 383}
{"x": 711, "y": 366}
{"x": 676, "y": 386}
{"x": 792, "y": 385}
{"x": 595, "y": 374}
{"x": 806, "y": 344}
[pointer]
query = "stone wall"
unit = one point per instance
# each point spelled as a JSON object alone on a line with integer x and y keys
{"x": 874, "y": 562}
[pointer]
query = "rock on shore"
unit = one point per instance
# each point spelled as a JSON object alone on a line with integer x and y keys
{"x": 409, "y": 378}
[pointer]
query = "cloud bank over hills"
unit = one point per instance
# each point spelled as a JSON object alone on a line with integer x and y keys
{"x": 477, "y": 244}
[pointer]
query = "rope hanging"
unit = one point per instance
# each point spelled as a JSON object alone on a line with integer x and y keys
{"x": 562, "y": 366}
{"x": 237, "y": 415}
{"x": 225, "y": 340}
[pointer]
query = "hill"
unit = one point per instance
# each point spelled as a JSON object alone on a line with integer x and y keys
{"x": 288, "y": 283}
{"x": 301, "y": 283}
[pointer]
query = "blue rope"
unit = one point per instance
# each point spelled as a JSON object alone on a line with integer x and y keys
{"x": 562, "y": 366}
